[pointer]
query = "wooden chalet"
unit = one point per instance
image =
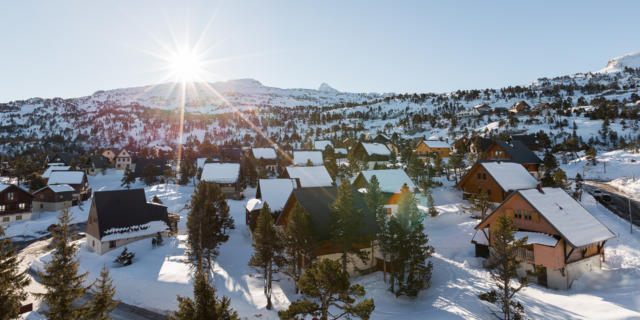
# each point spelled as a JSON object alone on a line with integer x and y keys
{"x": 76, "y": 179}
{"x": 322, "y": 145}
{"x": 384, "y": 139}
{"x": 315, "y": 176}
{"x": 53, "y": 198}
{"x": 482, "y": 109}
{"x": 520, "y": 107}
{"x": 304, "y": 157}
{"x": 529, "y": 140}
{"x": 15, "y": 203}
{"x": 498, "y": 179}
{"x": 266, "y": 157}
{"x": 541, "y": 106}
{"x": 123, "y": 216}
{"x": 123, "y": 160}
{"x": 372, "y": 154}
{"x": 110, "y": 155}
{"x": 158, "y": 165}
{"x": 514, "y": 151}
{"x": 273, "y": 192}
{"x": 427, "y": 147}
{"x": 64, "y": 158}
{"x": 564, "y": 240}
{"x": 317, "y": 203}
{"x": 391, "y": 181}
{"x": 226, "y": 176}
{"x": 96, "y": 164}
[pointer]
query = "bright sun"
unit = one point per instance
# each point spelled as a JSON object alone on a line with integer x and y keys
{"x": 186, "y": 66}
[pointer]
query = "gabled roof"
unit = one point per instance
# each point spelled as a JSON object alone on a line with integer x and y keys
{"x": 564, "y": 214}
{"x": 5, "y": 186}
{"x": 275, "y": 192}
{"x": 142, "y": 163}
{"x": 340, "y": 151}
{"x": 221, "y": 172}
{"x": 390, "y": 180}
{"x": 99, "y": 161}
{"x": 264, "y": 153}
{"x": 126, "y": 213}
{"x": 66, "y": 177}
{"x": 57, "y": 188}
{"x": 65, "y": 157}
{"x": 301, "y": 157}
{"x": 316, "y": 176}
{"x": 437, "y": 144}
{"x": 510, "y": 175}
{"x": 50, "y": 169}
{"x": 527, "y": 139}
{"x": 321, "y": 144}
{"x": 317, "y": 202}
{"x": 376, "y": 148}
{"x": 518, "y": 152}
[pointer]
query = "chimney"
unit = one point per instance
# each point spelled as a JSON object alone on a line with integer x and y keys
{"x": 298, "y": 183}
{"x": 539, "y": 187}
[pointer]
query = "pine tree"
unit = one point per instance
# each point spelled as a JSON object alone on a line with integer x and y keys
{"x": 549, "y": 161}
{"x": 60, "y": 276}
{"x": 125, "y": 258}
{"x": 187, "y": 171}
{"x": 375, "y": 202}
{"x": 150, "y": 174}
{"x": 128, "y": 178}
{"x": 432, "y": 207}
{"x": 155, "y": 199}
{"x": 346, "y": 225}
{"x": 409, "y": 249}
{"x": 268, "y": 256}
{"x": 456, "y": 161}
{"x": 13, "y": 282}
{"x": 204, "y": 305}
{"x": 299, "y": 242}
{"x": 591, "y": 155}
{"x": 480, "y": 202}
{"x": 503, "y": 264}
{"x": 207, "y": 224}
{"x": 325, "y": 284}
{"x": 102, "y": 294}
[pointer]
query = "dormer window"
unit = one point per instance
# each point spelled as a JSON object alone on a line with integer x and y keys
{"x": 10, "y": 196}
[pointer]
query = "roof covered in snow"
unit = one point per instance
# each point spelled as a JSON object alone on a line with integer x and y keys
{"x": 537, "y": 238}
{"x": 376, "y": 148}
{"x": 254, "y": 204}
{"x": 264, "y": 153}
{"x": 437, "y": 144}
{"x": 125, "y": 214}
{"x": 57, "y": 188}
{"x": 50, "y": 169}
{"x": 316, "y": 176}
{"x": 221, "y": 172}
{"x": 510, "y": 175}
{"x": 275, "y": 192}
{"x": 321, "y": 144}
{"x": 567, "y": 216}
{"x": 340, "y": 151}
{"x": 390, "y": 180}
{"x": 66, "y": 177}
{"x": 300, "y": 158}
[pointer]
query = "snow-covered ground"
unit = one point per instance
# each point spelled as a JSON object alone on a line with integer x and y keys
{"x": 610, "y": 165}
{"x": 158, "y": 275}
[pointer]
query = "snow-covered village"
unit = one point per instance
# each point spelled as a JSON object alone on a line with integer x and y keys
{"x": 436, "y": 188}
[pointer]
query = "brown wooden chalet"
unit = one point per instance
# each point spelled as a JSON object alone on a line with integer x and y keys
{"x": 122, "y": 216}
{"x": 15, "y": 203}
{"x": 564, "y": 240}
{"x": 520, "y": 107}
{"x": 427, "y": 147}
{"x": 266, "y": 158}
{"x": 514, "y": 151}
{"x": 317, "y": 203}
{"x": 53, "y": 198}
{"x": 76, "y": 179}
{"x": 372, "y": 153}
{"x": 497, "y": 179}
{"x": 226, "y": 176}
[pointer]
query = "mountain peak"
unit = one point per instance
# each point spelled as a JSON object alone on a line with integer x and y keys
{"x": 324, "y": 87}
{"x": 631, "y": 60}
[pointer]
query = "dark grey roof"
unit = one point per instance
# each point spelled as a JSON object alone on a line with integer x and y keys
{"x": 518, "y": 152}
{"x": 142, "y": 163}
{"x": 99, "y": 161}
{"x": 126, "y": 208}
{"x": 230, "y": 153}
{"x": 527, "y": 139}
{"x": 317, "y": 202}
{"x": 482, "y": 144}
{"x": 64, "y": 157}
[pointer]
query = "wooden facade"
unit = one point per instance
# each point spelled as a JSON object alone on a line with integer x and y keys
{"x": 46, "y": 199}
{"x": 478, "y": 180}
{"x": 495, "y": 152}
{"x": 15, "y": 203}
{"x": 423, "y": 149}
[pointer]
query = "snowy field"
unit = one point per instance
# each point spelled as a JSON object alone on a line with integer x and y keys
{"x": 158, "y": 275}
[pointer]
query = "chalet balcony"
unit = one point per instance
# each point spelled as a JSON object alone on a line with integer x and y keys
{"x": 524, "y": 254}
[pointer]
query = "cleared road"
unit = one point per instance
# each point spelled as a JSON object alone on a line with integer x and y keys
{"x": 615, "y": 200}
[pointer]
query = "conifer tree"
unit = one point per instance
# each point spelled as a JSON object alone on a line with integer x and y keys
{"x": 268, "y": 256}
{"x": 13, "y": 282}
{"x": 299, "y": 242}
{"x": 346, "y": 225}
{"x": 128, "y": 178}
{"x": 207, "y": 224}
{"x": 503, "y": 265}
{"x": 409, "y": 249}
{"x": 480, "y": 202}
{"x": 205, "y": 305}
{"x": 325, "y": 284}
{"x": 375, "y": 202}
{"x": 187, "y": 171}
{"x": 60, "y": 277}
{"x": 102, "y": 302}
{"x": 155, "y": 199}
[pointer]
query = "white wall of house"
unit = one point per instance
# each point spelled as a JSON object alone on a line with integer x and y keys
{"x": 15, "y": 217}
{"x": 102, "y": 247}
{"x": 355, "y": 263}
{"x": 39, "y": 206}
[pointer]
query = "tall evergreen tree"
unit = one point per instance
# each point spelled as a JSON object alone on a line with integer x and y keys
{"x": 299, "y": 242}
{"x": 207, "y": 224}
{"x": 375, "y": 202}
{"x": 204, "y": 305}
{"x": 268, "y": 255}
{"x": 346, "y": 225}
{"x": 325, "y": 284}
{"x": 102, "y": 302}
{"x": 128, "y": 178}
{"x": 60, "y": 277}
{"x": 503, "y": 265}
{"x": 187, "y": 171}
{"x": 13, "y": 282}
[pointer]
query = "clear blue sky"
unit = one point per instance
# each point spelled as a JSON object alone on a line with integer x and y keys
{"x": 73, "y": 48}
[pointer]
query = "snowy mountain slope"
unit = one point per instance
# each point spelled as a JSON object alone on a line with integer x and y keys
{"x": 631, "y": 60}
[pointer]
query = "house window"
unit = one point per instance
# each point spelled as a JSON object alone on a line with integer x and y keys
{"x": 21, "y": 206}
{"x": 6, "y": 219}
{"x": 518, "y": 213}
{"x": 10, "y": 196}
{"x": 93, "y": 243}
{"x": 484, "y": 176}
{"x": 528, "y": 215}
{"x": 41, "y": 206}
{"x": 112, "y": 244}
{"x": 2, "y": 208}
{"x": 488, "y": 192}
{"x": 389, "y": 210}
{"x": 18, "y": 217}
{"x": 479, "y": 176}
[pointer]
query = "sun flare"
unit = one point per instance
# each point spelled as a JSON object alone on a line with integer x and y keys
{"x": 186, "y": 65}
